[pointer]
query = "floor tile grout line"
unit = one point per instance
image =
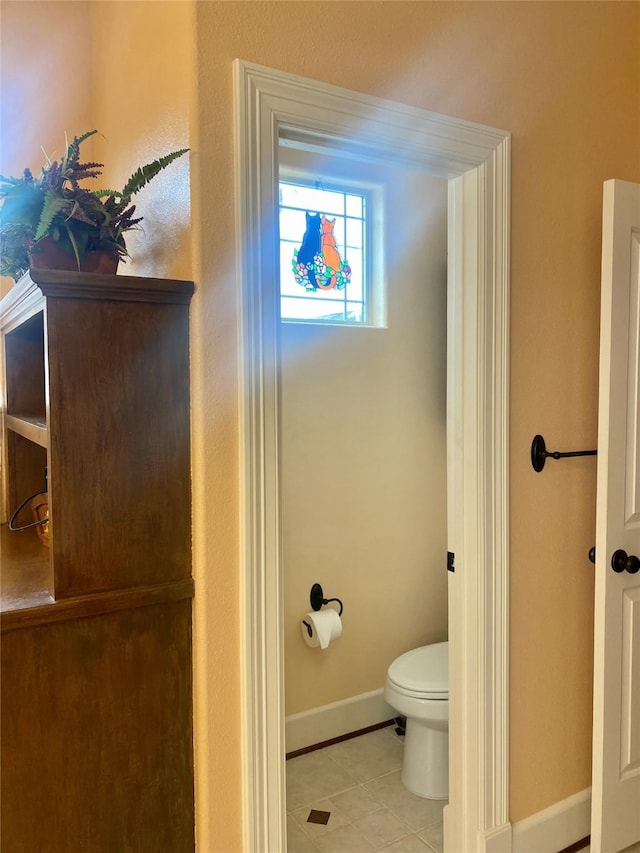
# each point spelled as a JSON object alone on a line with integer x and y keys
{"x": 357, "y": 783}
{"x": 410, "y": 832}
{"x": 346, "y": 759}
{"x": 309, "y": 804}
{"x": 383, "y": 808}
{"x": 403, "y": 838}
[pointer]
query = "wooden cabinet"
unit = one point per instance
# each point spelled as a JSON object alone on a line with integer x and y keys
{"x": 96, "y": 628}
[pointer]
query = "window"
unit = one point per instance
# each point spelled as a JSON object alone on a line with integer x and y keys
{"x": 324, "y": 254}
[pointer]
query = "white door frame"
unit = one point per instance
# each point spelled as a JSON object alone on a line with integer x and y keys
{"x": 476, "y": 161}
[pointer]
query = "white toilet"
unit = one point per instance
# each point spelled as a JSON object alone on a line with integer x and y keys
{"x": 418, "y": 688}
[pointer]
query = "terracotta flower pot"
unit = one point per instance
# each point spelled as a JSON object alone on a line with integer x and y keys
{"x": 48, "y": 255}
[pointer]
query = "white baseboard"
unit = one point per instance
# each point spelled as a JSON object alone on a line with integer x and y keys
{"x": 500, "y": 840}
{"x": 555, "y": 828}
{"x": 338, "y": 718}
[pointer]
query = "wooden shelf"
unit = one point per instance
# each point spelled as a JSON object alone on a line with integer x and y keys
{"x": 31, "y": 427}
{"x": 25, "y": 570}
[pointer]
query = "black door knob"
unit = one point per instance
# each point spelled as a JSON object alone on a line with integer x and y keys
{"x": 623, "y": 562}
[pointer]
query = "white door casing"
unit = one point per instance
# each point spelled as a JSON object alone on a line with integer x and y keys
{"x": 616, "y": 725}
{"x": 475, "y": 159}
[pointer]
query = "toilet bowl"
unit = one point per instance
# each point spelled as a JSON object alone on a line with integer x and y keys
{"x": 417, "y": 687}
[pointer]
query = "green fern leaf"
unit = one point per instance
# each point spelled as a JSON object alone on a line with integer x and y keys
{"x": 53, "y": 204}
{"x": 144, "y": 174}
{"x": 72, "y": 240}
{"x": 84, "y": 136}
{"x": 103, "y": 193}
{"x": 11, "y": 181}
{"x": 75, "y": 143}
{"x": 22, "y": 204}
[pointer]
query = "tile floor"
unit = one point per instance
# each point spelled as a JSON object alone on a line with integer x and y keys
{"x": 358, "y": 783}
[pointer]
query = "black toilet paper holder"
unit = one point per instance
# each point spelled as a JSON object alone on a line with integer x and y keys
{"x": 317, "y": 599}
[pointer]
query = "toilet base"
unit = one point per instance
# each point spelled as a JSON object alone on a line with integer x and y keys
{"x": 425, "y": 765}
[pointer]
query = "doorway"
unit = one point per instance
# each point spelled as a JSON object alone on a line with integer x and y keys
{"x": 475, "y": 161}
{"x": 362, "y": 435}
{"x": 363, "y": 474}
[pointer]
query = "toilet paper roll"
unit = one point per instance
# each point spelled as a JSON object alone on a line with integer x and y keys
{"x": 322, "y": 626}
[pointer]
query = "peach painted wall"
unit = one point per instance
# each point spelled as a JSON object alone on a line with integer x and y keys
{"x": 142, "y": 86}
{"x": 40, "y": 100}
{"x": 563, "y": 78}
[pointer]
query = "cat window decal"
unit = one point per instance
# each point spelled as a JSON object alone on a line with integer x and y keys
{"x": 325, "y": 252}
{"x": 317, "y": 264}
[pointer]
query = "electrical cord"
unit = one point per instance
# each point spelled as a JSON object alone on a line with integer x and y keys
{"x": 17, "y": 512}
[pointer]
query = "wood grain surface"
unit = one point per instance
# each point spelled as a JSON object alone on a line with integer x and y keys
{"x": 95, "y": 658}
{"x": 97, "y": 734}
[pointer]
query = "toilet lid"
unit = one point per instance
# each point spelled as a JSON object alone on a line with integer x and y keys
{"x": 423, "y": 670}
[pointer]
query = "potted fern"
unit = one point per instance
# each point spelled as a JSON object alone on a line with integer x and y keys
{"x": 54, "y": 222}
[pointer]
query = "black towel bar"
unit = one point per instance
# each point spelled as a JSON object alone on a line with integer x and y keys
{"x": 539, "y": 453}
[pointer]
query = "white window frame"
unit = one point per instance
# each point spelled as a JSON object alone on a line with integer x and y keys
{"x": 375, "y": 285}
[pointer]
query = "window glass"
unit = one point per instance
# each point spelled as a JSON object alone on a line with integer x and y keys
{"x": 323, "y": 254}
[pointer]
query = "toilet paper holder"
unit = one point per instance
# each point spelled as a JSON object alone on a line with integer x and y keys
{"x": 317, "y": 599}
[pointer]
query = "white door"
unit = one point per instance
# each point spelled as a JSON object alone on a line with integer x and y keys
{"x": 615, "y": 819}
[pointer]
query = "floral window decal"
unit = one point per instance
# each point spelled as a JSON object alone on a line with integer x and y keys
{"x": 323, "y": 253}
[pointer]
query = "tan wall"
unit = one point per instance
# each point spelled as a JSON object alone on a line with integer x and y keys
{"x": 41, "y": 101}
{"x": 363, "y": 454}
{"x": 563, "y": 78}
{"x": 142, "y": 86}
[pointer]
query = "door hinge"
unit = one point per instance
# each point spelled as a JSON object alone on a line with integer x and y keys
{"x": 451, "y": 561}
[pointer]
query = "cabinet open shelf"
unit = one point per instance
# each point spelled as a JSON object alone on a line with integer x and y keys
{"x": 31, "y": 427}
{"x": 25, "y": 570}
{"x": 90, "y": 361}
